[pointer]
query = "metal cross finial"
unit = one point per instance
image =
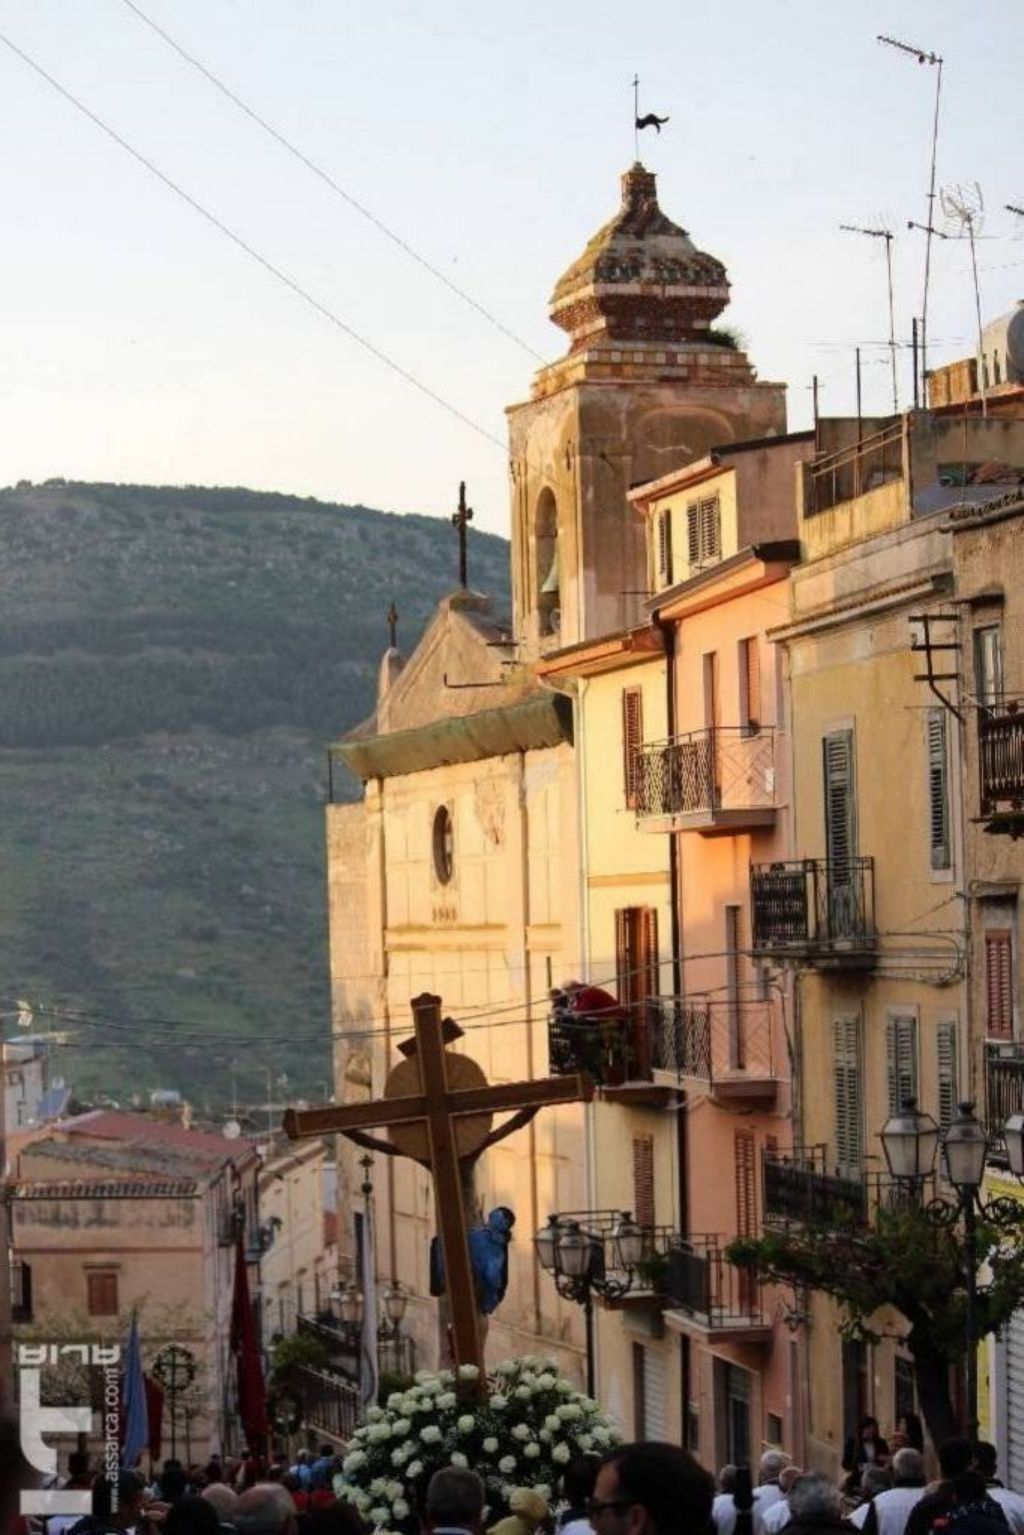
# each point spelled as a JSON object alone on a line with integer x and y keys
{"x": 461, "y": 520}
{"x": 392, "y": 625}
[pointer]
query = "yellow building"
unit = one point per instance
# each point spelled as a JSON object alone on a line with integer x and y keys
{"x": 462, "y": 870}
{"x": 869, "y": 911}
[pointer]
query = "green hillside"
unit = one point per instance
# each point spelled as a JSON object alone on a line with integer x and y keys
{"x": 173, "y": 663}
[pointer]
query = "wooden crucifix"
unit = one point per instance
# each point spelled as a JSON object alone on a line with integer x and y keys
{"x": 461, "y": 520}
{"x": 437, "y": 1109}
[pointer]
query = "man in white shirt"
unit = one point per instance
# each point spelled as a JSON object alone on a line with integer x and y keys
{"x": 892, "y": 1509}
{"x": 776, "y": 1516}
{"x": 770, "y": 1468}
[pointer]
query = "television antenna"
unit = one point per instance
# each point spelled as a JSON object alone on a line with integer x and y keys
{"x": 925, "y": 56}
{"x": 1013, "y": 208}
{"x": 963, "y": 205}
{"x": 886, "y": 235}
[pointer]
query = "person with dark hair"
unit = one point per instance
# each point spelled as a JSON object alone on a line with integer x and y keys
{"x": 173, "y": 1483}
{"x": 455, "y": 1502}
{"x": 972, "y": 1511}
{"x": 214, "y": 1470}
{"x": 866, "y": 1447}
{"x": 191, "y": 1516}
{"x": 1011, "y": 1503}
{"x": 577, "y": 1489}
{"x": 79, "y": 1480}
{"x": 956, "y": 1456}
{"x": 651, "y": 1489}
{"x": 116, "y": 1508}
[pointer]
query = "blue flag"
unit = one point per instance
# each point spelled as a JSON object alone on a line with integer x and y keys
{"x": 135, "y": 1416}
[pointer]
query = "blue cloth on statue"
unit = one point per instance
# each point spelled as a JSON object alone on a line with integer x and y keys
{"x": 488, "y": 1255}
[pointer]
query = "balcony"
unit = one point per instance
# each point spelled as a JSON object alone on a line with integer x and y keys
{"x": 330, "y": 1404}
{"x": 711, "y": 781}
{"x": 396, "y": 1351}
{"x": 1001, "y": 767}
{"x": 726, "y": 1047}
{"x": 815, "y": 912}
{"x": 1004, "y": 1084}
{"x": 613, "y": 1045}
{"x": 708, "y": 1298}
{"x": 800, "y": 1189}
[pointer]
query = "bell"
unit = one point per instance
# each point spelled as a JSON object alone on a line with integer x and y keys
{"x": 550, "y": 586}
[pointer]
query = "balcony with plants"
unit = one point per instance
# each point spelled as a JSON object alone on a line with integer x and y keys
{"x": 816, "y": 912}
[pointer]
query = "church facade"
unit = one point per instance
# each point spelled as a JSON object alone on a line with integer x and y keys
{"x": 462, "y": 869}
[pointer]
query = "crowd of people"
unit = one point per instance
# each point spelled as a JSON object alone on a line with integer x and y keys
{"x": 638, "y": 1489}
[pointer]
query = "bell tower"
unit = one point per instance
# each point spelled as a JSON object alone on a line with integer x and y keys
{"x": 647, "y": 386}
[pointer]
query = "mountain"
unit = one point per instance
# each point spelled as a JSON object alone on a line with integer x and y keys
{"x": 173, "y": 663}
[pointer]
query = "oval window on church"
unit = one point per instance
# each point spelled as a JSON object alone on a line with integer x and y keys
{"x": 443, "y": 845}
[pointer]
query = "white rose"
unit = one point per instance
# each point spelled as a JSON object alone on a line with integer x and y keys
{"x": 414, "y": 1469}
{"x": 354, "y": 1461}
{"x": 499, "y": 1402}
{"x": 545, "y": 1435}
{"x": 446, "y": 1400}
{"x": 393, "y": 1490}
{"x": 378, "y": 1487}
{"x": 531, "y": 1451}
{"x": 431, "y": 1434}
{"x": 562, "y": 1454}
{"x": 569, "y": 1412}
{"x": 374, "y": 1414}
{"x": 400, "y": 1508}
{"x": 458, "y": 1459}
{"x": 466, "y": 1423}
{"x": 585, "y": 1441}
{"x": 395, "y": 1400}
{"x": 507, "y": 1464}
{"x": 468, "y": 1371}
{"x": 524, "y": 1393}
{"x": 490, "y": 1445}
{"x": 552, "y": 1422}
{"x": 546, "y": 1381}
{"x": 400, "y": 1427}
{"x": 378, "y": 1514}
{"x": 544, "y": 1491}
{"x": 521, "y": 1432}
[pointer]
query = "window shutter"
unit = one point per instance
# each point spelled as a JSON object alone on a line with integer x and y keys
{"x": 840, "y": 831}
{"x": 693, "y": 535}
{"x": 710, "y": 529}
{"x": 901, "y": 1059}
{"x": 945, "y": 1047}
{"x": 938, "y": 790}
{"x": 643, "y": 1180}
{"x": 746, "y": 1196}
{"x": 647, "y": 959}
{"x": 101, "y": 1290}
{"x": 999, "y": 982}
{"x": 665, "y": 546}
{"x": 632, "y": 742}
{"x": 752, "y": 681}
{"x": 848, "y": 1098}
{"x": 623, "y": 956}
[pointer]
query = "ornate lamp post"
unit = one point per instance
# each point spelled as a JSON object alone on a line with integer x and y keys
{"x": 910, "y": 1139}
{"x": 577, "y": 1258}
{"x": 348, "y": 1302}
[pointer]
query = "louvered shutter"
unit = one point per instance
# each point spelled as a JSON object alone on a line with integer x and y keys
{"x": 710, "y": 529}
{"x": 665, "y": 546}
{"x": 946, "y": 1054}
{"x": 938, "y": 790}
{"x": 999, "y": 983}
{"x": 632, "y": 742}
{"x": 840, "y": 828}
{"x": 693, "y": 535}
{"x": 643, "y": 1180}
{"x": 752, "y": 682}
{"x": 901, "y": 1059}
{"x": 746, "y": 1207}
{"x": 623, "y": 954}
{"x": 848, "y": 1096}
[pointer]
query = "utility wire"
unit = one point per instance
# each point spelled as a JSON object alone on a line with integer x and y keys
{"x": 251, "y": 251}
{"x": 328, "y": 179}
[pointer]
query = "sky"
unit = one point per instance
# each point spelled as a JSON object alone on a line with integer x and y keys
{"x": 141, "y": 343}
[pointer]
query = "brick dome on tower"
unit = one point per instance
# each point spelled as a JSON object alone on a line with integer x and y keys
{"x": 641, "y": 278}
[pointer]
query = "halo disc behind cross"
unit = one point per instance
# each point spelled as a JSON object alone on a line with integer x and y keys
{"x": 471, "y": 1130}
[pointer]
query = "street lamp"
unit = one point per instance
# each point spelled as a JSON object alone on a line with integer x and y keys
{"x": 578, "y": 1254}
{"x": 395, "y": 1301}
{"x": 910, "y": 1139}
{"x": 348, "y": 1301}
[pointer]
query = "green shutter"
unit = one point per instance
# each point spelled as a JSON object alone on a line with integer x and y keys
{"x": 848, "y": 1096}
{"x": 938, "y": 790}
{"x": 840, "y": 820}
{"x": 901, "y": 1059}
{"x": 946, "y": 1053}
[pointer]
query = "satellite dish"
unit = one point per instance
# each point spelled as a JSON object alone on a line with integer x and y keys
{"x": 232, "y": 1130}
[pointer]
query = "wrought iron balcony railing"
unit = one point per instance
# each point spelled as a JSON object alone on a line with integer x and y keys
{"x": 801, "y": 1189}
{"x": 1001, "y": 766}
{"x": 1004, "y": 1083}
{"x": 330, "y": 1404}
{"x": 396, "y": 1352}
{"x": 726, "y": 1044}
{"x": 702, "y": 1282}
{"x": 815, "y": 909}
{"x": 710, "y": 779}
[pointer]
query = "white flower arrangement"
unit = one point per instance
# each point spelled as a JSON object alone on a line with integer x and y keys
{"x": 521, "y": 1431}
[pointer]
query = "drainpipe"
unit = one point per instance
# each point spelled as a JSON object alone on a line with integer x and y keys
{"x": 668, "y": 635}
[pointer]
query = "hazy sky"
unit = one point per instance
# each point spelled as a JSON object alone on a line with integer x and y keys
{"x": 138, "y": 343}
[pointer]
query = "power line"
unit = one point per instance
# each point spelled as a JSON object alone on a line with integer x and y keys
{"x": 328, "y": 179}
{"x": 250, "y": 250}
